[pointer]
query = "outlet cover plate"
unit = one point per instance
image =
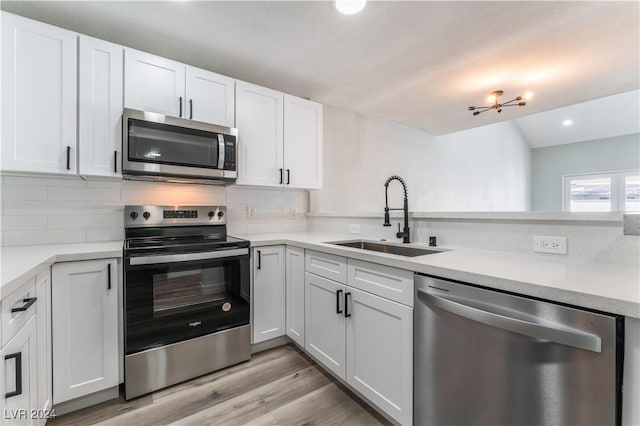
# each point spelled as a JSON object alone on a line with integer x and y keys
{"x": 555, "y": 245}
{"x": 354, "y": 228}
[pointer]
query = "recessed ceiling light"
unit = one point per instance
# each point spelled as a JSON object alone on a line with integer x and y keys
{"x": 568, "y": 122}
{"x": 350, "y": 7}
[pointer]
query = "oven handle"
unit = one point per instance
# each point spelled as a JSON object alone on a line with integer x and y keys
{"x": 186, "y": 257}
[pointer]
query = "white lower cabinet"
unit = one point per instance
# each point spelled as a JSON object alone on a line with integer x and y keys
{"x": 85, "y": 328}
{"x": 294, "y": 264}
{"x": 268, "y": 295}
{"x": 364, "y": 339}
{"x": 380, "y": 352}
{"x": 18, "y": 386}
{"x": 325, "y": 322}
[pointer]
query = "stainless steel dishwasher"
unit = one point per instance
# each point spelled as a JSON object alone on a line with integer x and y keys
{"x": 483, "y": 357}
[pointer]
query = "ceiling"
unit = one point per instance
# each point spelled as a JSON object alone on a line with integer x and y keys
{"x": 419, "y": 64}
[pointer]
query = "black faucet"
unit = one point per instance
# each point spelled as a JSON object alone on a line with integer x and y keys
{"x": 405, "y": 231}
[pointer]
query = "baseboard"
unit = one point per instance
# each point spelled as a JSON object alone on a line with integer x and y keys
{"x": 86, "y": 401}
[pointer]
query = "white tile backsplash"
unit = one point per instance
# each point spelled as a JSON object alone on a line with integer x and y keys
{"x": 49, "y": 210}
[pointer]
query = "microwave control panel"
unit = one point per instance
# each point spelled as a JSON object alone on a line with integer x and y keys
{"x": 229, "y": 155}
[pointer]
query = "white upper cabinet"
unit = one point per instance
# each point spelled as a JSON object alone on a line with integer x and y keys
{"x": 210, "y": 97}
{"x": 280, "y": 139}
{"x": 259, "y": 119}
{"x": 39, "y": 67}
{"x": 153, "y": 84}
{"x": 302, "y": 143}
{"x": 100, "y": 107}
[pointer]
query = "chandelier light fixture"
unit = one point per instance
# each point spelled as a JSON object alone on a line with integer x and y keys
{"x": 497, "y": 105}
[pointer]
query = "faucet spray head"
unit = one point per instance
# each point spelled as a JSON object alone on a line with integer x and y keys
{"x": 387, "y": 221}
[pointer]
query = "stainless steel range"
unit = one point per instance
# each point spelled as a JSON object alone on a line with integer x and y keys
{"x": 186, "y": 295}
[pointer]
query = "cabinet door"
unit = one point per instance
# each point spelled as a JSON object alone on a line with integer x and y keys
{"x": 38, "y": 97}
{"x": 325, "y": 322}
{"x": 302, "y": 143}
{"x": 85, "y": 328}
{"x": 43, "y": 331}
{"x": 100, "y": 81}
{"x": 268, "y": 293}
{"x": 153, "y": 84}
{"x": 210, "y": 97}
{"x": 295, "y": 294}
{"x": 380, "y": 353}
{"x": 259, "y": 113}
{"x": 18, "y": 387}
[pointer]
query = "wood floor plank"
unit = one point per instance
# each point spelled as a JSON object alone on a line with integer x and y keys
{"x": 244, "y": 408}
{"x": 281, "y": 386}
{"x": 329, "y": 405}
{"x": 170, "y": 404}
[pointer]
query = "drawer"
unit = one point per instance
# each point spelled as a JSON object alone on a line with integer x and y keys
{"x": 326, "y": 265}
{"x": 391, "y": 283}
{"x": 13, "y": 321}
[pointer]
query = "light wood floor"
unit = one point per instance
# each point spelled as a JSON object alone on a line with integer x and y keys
{"x": 277, "y": 387}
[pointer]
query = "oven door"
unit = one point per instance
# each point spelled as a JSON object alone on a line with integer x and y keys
{"x": 174, "y": 297}
{"x": 160, "y": 145}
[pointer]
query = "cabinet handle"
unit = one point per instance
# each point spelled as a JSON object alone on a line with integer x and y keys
{"x": 108, "y": 276}
{"x": 27, "y": 304}
{"x": 338, "y": 294}
{"x": 115, "y": 161}
{"x": 68, "y": 158}
{"x": 346, "y": 305}
{"x": 180, "y": 106}
{"x": 288, "y": 176}
{"x": 18, "y": 358}
{"x": 281, "y": 176}
{"x": 190, "y": 109}
{"x": 259, "y": 260}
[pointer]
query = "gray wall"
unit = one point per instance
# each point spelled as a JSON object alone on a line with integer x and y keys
{"x": 549, "y": 164}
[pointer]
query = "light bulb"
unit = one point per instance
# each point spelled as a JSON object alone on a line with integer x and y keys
{"x": 350, "y": 7}
{"x": 528, "y": 95}
{"x": 491, "y": 98}
{"x": 568, "y": 122}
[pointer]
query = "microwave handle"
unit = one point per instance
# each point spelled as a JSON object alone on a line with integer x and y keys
{"x": 220, "y": 151}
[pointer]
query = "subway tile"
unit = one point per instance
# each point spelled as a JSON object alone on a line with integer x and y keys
{"x": 49, "y": 236}
{"x": 67, "y": 222}
{"x": 136, "y": 196}
{"x": 73, "y": 181}
{"x": 59, "y": 193}
{"x": 100, "y": 208}
{"x": 105, "y": 221}
{"x": 19, "y": 223}
{"x": 264, "y": 228}
{"x": 23, "y": 192}
{"x": 237, "y": 229}
{"x": 22, "y": 207}
{"x": 110, "y": 184}
{"x": 105, "y": 234}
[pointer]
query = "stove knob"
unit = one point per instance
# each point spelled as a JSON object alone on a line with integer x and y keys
{"x": 211, "y": 214}
{"x": 133, "y": 215}
{"x": 220, "y": 214}
{"x": 146, "y": 215}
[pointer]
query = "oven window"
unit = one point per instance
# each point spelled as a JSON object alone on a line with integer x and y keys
{"x": 183, "y": 289}
{"x": 165, "y": 144}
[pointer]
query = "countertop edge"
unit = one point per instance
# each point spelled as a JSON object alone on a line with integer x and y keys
{"x": 549, "y": 293}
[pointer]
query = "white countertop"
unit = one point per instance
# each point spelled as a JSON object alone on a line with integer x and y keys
{"x": 600, "y": 286}
{"x": 21, "y": 263}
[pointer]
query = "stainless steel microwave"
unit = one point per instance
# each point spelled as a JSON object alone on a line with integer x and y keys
{"x": 161, "y": 147}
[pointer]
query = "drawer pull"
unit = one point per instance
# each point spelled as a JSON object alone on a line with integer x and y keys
{"x": 346, "y": 305}
{"x": 18, "y": 358}
{"x": 27, "y": 304}
{"x": 338, "y": 294}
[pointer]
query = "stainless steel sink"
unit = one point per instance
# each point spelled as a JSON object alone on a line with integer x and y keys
{"x": 386, "y": 248}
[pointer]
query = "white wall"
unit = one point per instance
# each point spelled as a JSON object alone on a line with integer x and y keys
{"x": 49, "y": 210}
{"x": 482, "y": 169}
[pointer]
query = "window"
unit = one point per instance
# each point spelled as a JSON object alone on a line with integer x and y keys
{"x": 604, "y": 192}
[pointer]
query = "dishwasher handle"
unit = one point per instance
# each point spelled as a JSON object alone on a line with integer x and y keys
{"x": 574, "y": 338}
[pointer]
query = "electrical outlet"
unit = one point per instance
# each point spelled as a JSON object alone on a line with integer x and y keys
{"x": 292, "y": 211}
{"x": 251, "y": 212}
{"x": 556, "y": 245}
{"x": 354, "y": 228}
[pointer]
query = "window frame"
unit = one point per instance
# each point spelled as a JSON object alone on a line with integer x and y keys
{"x": 618, "y": 188}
